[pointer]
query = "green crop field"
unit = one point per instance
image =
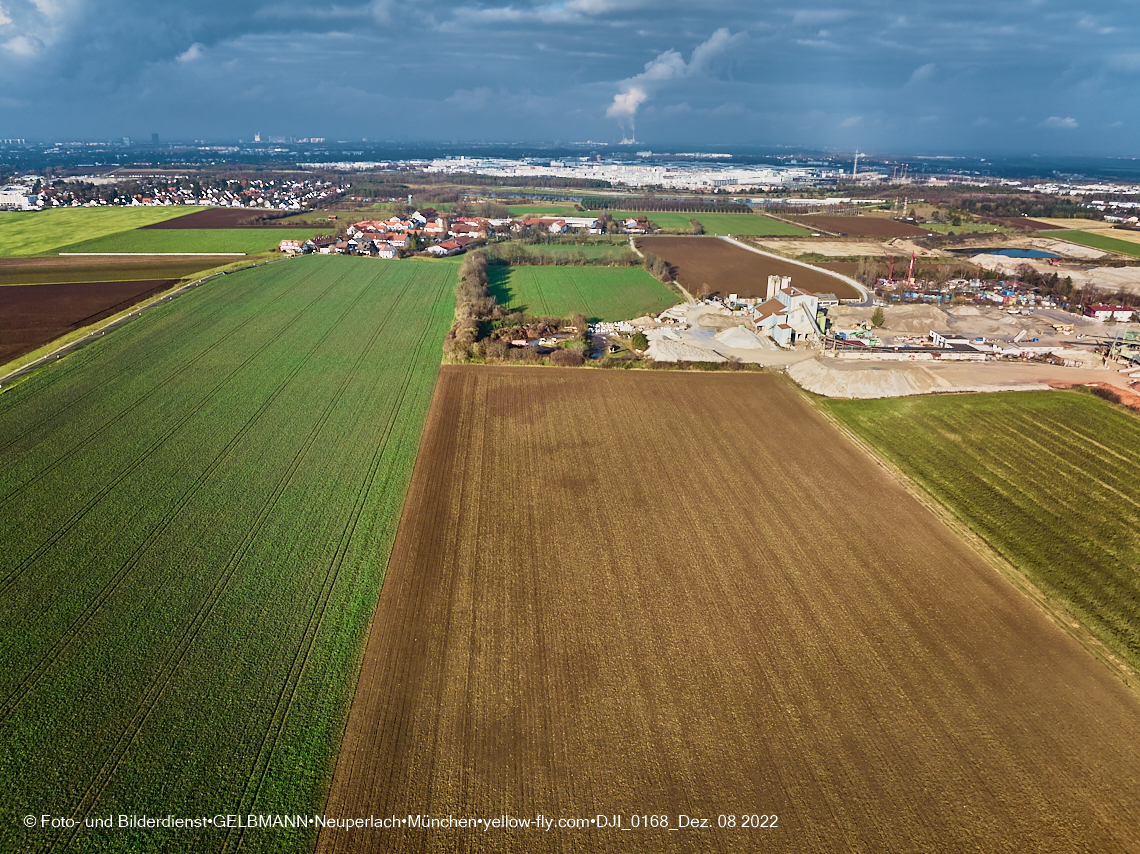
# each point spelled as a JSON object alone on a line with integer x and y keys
{"x": 556, "y": 250}
{"x": 756, "y": 225}
{"x": 544, "y": 210}
{"x": 965, "y": 228}
{"x": 1051, "y": 480}
{"x": 39, "y": 232}
{"x": 1098, "y": 241}
{"x": 196, "y": 515}
{"x": 601, "y": 293}
{"x": 251, "y": 241}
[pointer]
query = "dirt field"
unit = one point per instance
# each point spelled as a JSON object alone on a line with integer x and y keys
{"x": 838, "y": 247}
{"x": 215, "y": 218}
{"x": 700, "y": 599}
{"x": 33, "y": 315}
{"x": 56, "y": 270}
{"x": 863, "y": 226}
{"x": 730, "y": 269}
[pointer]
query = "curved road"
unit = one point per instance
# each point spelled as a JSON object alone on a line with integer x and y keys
{"x": 864, "y": 293}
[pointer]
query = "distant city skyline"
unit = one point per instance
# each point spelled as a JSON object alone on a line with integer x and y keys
{"x": 1039, "y": 76}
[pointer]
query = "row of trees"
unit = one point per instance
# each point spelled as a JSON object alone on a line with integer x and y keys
{"x": 620, "y": 203}
{"x": 658, "y": 267}
{"x": 517, "y": 254}
{"x": 483, "y": 329}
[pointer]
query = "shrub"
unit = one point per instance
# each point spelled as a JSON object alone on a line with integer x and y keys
{"x": 640, "y": 342}
{"x": 496, "y": 348}
{"x": 567, "y": 359}
{"x": 1107, "y": 393}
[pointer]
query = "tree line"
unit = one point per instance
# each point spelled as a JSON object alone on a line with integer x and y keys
{"x": 602, "y": 203}
{"x": 483, "y": 329}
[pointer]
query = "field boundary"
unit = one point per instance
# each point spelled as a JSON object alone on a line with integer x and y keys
{"x": 137, "y": 254}
{"x": 87, "y": 333}
{"x": 1056, "y": 609}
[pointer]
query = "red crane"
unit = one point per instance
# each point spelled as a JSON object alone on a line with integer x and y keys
{"x": 891, "y": 273}
{"x": 910, "y": 273}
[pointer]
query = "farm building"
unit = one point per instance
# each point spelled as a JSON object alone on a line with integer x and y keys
{"x": 290, "y": 247}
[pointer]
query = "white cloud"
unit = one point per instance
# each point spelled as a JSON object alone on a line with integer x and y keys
{"x": 573, "y": 11}
{"x": 667, "y": 66}
{"x": 25, "y": 46}
{"x": 819, "y": 16}
{"x": 626, "y": 103}
{"x": 191, "y": 53}
{"x": 5, "y": 18}
{"x": 1057, "y": 122}
{"x": 923, "y": 73}
{"x": 850, "y": 121}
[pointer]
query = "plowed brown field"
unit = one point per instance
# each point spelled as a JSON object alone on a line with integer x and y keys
{"x": 728, "y": 269}
{"x": 860, "y": 226}
{"x": 33, "y": 315}
{"x": 665, "y": 594}
{"x": 214, "y": 218}
{"x": 88, "y": 268}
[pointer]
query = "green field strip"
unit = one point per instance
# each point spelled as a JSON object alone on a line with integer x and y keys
{"x": 121, "y": 407}
{"x": 750, "y": 224}
{"x": 248, "y": 545}
{"x": 1097, "y": 241}
{"x": 1049, "y": 479}
{"x": 250, "y": 241}
{"x": 42, "y": 232}
{"x": 528, "y": 211}
{"x": 601, "y": 293}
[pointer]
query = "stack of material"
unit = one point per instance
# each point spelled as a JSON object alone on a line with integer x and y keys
{"x": 740, "y": 338}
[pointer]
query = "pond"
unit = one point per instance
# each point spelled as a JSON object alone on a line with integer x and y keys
{"x": 1009, "y": 253}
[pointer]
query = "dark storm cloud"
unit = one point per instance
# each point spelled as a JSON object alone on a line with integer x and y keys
{"x": 1039, "y": 76}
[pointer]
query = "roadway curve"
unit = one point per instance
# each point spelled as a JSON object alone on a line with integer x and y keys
{"x": 866, "y": 295}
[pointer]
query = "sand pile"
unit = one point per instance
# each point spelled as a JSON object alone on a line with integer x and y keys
{"x": 718, "y": 321}
{"x": 898, "y": 319}
{"x": 913, "y": 319}
{"x": 676, "y": 351}
{"x": 740, "y": 338}
{"x": 826, "y": 377}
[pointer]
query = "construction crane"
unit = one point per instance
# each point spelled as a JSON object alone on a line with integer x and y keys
{"x": 891, "y": 273}
{"x": 910, "y": 272}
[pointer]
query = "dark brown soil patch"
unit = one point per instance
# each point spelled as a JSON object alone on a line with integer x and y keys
{"x": 52, "y": 270}
{"x": 222, "y": 218}
{"x": 863, "y": 226}
{"x": 729, "y": 269}
{"x": 34, "y": 315}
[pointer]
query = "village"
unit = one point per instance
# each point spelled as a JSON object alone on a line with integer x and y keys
{"x": 441, "y": 235}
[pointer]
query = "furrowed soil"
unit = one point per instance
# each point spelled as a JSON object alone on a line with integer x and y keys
{"x": 218, "y": 218}
{"x": 34, "y": 315}
{"x": 863, "y": 226}
{"x": 726, "y": 268}
{"x": 667, "y": 594}
{"x": 58, "y": 270}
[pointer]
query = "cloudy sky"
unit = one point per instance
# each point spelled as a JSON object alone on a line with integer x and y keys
{"x": 957, "y": 76}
